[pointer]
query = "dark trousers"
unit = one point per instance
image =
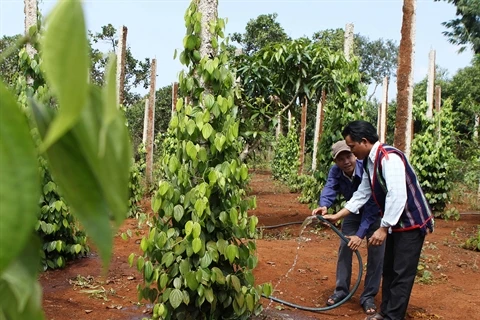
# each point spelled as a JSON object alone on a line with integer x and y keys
{"x": 344, "y": 264}
{"x": 402, "y": 253}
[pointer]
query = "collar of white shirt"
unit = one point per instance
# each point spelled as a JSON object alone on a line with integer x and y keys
{"x": 373, "y": 153}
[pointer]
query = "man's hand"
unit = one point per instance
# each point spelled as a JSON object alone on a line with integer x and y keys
{"x": 333, "y": 218}
{"x": 378, "y": 237}
{"x": 319, "y": 211}
{"x": 355, "y": 242}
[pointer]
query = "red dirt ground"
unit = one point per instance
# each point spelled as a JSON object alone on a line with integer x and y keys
{"x": 453, "y": 294}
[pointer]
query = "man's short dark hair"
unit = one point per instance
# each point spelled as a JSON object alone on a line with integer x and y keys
{"x": 357, "y": 130}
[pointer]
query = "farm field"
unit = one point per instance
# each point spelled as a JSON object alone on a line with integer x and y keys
{"x": 82, "y": 291}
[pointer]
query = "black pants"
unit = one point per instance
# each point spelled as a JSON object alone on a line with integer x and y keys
{"x": 402, "y": 253}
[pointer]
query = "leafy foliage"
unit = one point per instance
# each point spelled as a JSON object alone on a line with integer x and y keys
{"x": 432, "y": 155}
{"x": 59, "y": 231}
{"x": 135, "y": 186}
{"x": 464, "y": 30}
{"x": 198, "y": 255}
{"x": 285, "y": 161}
{"x": 10, "y": 66}
{"x": 260, "y": 32}
{"x": 473, "y": 243}
{"x": 378, "y": 58}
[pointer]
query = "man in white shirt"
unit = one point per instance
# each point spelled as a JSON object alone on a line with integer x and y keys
{"x": 406, "y": 216}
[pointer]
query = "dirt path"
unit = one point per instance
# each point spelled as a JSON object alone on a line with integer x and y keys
{"x": 453, "y": 291}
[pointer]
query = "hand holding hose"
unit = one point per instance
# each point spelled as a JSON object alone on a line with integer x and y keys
{"x": 355, "y": 242}
{"x": 319, "y": 211}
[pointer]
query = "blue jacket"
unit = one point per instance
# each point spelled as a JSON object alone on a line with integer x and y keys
{"x": 337, "y": 183}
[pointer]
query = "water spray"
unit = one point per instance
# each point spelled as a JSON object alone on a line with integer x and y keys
{"x": 305, "y": 223}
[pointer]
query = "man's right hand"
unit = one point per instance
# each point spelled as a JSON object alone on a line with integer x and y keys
{"x": 319, "y": 211}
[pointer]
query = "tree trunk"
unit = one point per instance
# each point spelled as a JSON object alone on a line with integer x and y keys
{"x": 121, "y": 56}
{"x": 318, "y": 129}
{"x": 383, "y": 112}
{"x": 403, "y": 121}
{"x": 303, "y": 131}
{"x": 348, "y": 41}
{"x": 30, "y": 10}
{"x": 151, "y": 126}
{"x": 278, "y": 130}
{"x": 430, "y": 83}
{"x": 208, "y": 8}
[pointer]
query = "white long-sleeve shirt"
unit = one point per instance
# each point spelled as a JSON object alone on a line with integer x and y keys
{"x": 393, "y": 171}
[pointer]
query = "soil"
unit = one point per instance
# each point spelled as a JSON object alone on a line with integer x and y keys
{"x": 83, "y": 291}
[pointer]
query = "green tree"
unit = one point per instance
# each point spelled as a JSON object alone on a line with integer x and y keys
{"x": 465, "y": 94}
{"x": 260, "y": 32}
{"x": 275, "y": 78}
{"x": 378, "y": 58}
{"x": 465, "y": 29}
{"x": 10, "y": 66}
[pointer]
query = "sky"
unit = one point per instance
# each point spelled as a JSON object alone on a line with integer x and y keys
{"x": 156, "y": 27}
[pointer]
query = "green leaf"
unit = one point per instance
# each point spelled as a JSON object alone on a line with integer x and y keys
{"x": 184, "y": 267}
{"x": 19, "y": 180}
{"x": 231, "y": 252}
{"x": 208, "y": 292}
{"x": 197, "y": 229}
{"x": 192, "y": 282}
{"x": 206, "y": 260}
{"x": 250, "y": 302}
{"x": 188, "y": 227}
{"x": 234, "y": 216}
{"x": 167, "y": 259}
{"x": 66, "y": 67}
{"x": 191, "y": 150}
{"x": 175, "y": 298}
{"x": 235, "y": 283}
{"x": 207, "y": 130}
{"x": 178, "y": 212}
{"x": 163, "y": 280}
{"x": 191, "y": 125}
{"x": 163, "y": 188}
{"x": 220, "y": 278}
{"x": 130, "y": 259}
{"x": 196, "y": 245}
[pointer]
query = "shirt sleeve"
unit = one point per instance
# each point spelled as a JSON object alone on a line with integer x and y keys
{"x": 361, "y": 196}
{"x": 393, "y": 171}
{"x": 329, "y": 192}
{"x": 370, "y": 215}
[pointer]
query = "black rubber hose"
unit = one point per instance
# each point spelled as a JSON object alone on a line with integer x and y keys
{"x": 280, "y": 225}
{"x": 350, "y": 294}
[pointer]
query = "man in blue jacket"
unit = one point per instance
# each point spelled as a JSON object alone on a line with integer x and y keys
{"x": 344, "y": 178}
